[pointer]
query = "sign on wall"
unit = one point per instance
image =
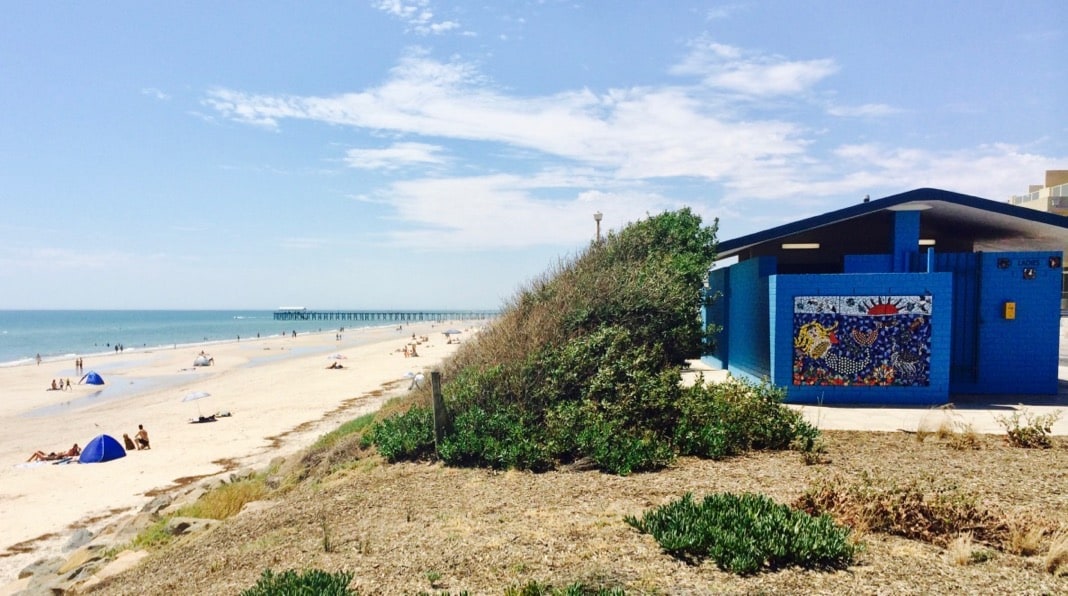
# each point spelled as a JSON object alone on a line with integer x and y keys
{"x": 862, "y": 340}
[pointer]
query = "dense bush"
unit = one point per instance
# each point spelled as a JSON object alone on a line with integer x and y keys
{"x": 585, "y": 364}
{"x": 746, "y": 533}
{"x": 406, "y": 436}
{"x": 737, "y": 416}
{"x": 291, "y": 583}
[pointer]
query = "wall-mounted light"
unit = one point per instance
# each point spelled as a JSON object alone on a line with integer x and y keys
{"x": 800, "y": 245}
{"x": 927, "y": 241}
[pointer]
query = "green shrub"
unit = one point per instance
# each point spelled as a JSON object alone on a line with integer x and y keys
{"x": 498, "y": 439}
{"x": 746, "y": 533}
{"x": 735, "y": 416}
{"x": 312, "y": 581}
{"x": 1032, "y": 432}
{"x": 407, "y": 436}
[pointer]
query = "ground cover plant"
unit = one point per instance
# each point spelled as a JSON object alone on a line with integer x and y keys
{"x": 312, "y": 581}
{"x": 584, "y": 364}
{"x": 746, "y": 533}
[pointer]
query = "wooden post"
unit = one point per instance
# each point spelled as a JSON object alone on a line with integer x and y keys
{"x": 440, "y": 416}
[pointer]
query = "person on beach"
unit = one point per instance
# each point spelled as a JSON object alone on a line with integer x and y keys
{"x": 54, "y": 386}
{"x": 128, "y": 442}
{"x": 67, "y": 386}
{"x": 142, "y": 437}
{"x": 42, "y": 456}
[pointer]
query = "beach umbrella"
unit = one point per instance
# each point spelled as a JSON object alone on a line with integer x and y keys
{"x": 451, "y": 331}
{"x": 196, "y": 396}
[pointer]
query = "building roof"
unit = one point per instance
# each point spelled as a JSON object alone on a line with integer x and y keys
{"x": 955, "y": 222}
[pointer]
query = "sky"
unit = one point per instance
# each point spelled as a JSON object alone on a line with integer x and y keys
{"x": 406, "y": 154}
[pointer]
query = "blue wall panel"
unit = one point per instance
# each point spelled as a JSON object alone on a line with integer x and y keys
{"x": 748, "y": 321}
{"x": 1018, "y": 355}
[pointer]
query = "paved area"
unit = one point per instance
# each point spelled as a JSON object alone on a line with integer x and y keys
{"x": 983, "y": 413}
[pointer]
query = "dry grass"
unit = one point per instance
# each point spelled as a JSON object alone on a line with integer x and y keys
{"x": 1023, "y": 535}
{"x": 484, "y": 532}
{"x": 961, "y": 549}
{"x": 1056, "y": 560}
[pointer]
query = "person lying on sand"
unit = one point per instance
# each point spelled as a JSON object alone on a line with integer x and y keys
{"x": 42, "y": 456}
{"x": 334, "y": 365}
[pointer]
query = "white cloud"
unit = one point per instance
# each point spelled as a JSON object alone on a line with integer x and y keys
{"x": 396, "y": 156}
{"x": 543, "y": 158}
{"x": 752, "y": 74}
{"x": 863, "y": 111}
{"x": 417, "y": 15}
{"x": 507, "y": 211}
{"x": 156, "y": 93}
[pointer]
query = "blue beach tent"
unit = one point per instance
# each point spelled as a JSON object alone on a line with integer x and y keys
{"x": 92, "y": 378}
{"x": 101, "y": 449}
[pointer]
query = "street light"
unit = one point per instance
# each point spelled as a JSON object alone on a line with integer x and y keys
{"x": 597, "y": 218}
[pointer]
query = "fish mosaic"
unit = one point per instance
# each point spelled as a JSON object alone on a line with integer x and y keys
{"x": 862, "y": 340}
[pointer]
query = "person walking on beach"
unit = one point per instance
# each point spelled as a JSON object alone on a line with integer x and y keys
{"x": 38, "y": 359}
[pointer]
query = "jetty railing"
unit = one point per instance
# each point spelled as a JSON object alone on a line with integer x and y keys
{"x": 382, "y": 315}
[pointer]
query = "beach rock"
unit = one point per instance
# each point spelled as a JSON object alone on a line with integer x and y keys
{"x": 128, "y": 528}
{"x": 179, "y": 526}
{"x": 42, "y": 567}
{"x": 79, "y": 558}
{"x": 242, "y": 474}
{"x": 157, "y": 504}
{"x": 78, "y": 539}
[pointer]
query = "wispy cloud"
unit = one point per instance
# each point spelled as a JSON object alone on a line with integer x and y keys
{"x": 156, "y": 93}
{"x": 750, "y": 73}
{"x": 868, "y": 110}
{"x": 543, "y": 158}
{"x": 418, "y": 15}
{"x": 394, "y": 157}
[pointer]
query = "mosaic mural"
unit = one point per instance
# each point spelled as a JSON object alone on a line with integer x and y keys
{"x": 862, "y": 340}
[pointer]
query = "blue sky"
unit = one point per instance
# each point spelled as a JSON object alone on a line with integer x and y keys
{"x": 426, "y": 154}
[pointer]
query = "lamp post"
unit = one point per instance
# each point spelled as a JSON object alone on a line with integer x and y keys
{"x": 597, "y": 218}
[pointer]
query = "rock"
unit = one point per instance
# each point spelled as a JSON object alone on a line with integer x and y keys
{"x": 42, "y": 567}
{"x": 80, "y": 558}
{"x": 78, "y": 539}
{"x": 179, "y": 526}
{"x": 157, "y": 504}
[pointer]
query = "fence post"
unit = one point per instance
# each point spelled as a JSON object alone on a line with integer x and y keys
{"x": 440, "y": 416}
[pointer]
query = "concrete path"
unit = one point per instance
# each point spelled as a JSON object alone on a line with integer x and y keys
{"x": 981, "y": 412}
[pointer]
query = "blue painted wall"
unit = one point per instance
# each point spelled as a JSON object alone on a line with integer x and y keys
{"x": 1017, "y": 355}
{"x": 743, "y": 345}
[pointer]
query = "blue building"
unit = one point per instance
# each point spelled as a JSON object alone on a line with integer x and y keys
{"x": 909, "y": 299}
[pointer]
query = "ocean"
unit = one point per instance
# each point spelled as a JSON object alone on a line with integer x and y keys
{"x": 65, "y": 334}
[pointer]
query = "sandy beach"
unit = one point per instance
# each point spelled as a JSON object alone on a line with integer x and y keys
{"x": 278, "y": 390}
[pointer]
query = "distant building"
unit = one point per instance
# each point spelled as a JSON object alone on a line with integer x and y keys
{"x": 909, "y": 299}
{"x": 1052, "y": 197}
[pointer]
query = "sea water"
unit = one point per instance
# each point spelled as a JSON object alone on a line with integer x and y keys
{"x": 67, "y": 334}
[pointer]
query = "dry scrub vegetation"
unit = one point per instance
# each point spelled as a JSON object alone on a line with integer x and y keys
{"x": 415, "y": 527}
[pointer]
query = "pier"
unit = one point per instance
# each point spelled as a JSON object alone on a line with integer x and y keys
{"x": 301, "y": 314}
